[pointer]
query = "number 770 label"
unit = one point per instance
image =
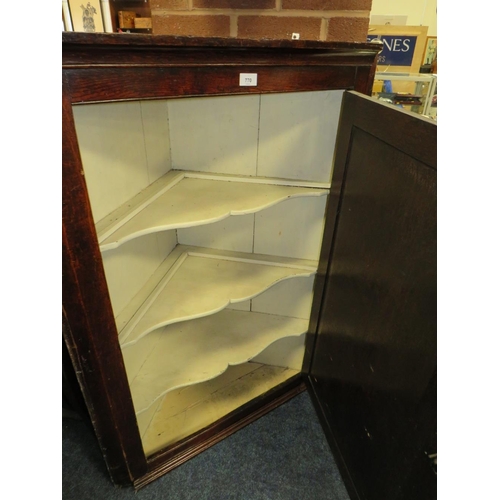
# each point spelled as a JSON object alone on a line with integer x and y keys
{"x": 248, "y": 79}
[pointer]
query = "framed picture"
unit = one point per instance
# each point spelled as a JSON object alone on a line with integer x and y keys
{"x": 430, "y": 52}
{"x": 86, "y": 16}
{"x": 402, "y": 47}
{"x": 67, "y": 24}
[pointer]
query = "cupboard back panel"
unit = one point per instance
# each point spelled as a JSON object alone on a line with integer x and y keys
{"x": 215, "y": 134}
{"x": 297, "y": 135}
{"x": 124, "y": 148}
{"x": 289, "y": 136}
{"x": 129, "y": 267}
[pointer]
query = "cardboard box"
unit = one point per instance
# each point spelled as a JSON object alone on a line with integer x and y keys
{"x": 126, "y": 19}
{"x": 142, "y": 22}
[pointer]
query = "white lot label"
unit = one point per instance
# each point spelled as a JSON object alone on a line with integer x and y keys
{"x": 248, "y": 79}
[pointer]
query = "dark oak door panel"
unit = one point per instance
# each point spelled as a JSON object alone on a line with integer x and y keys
{"x": 373, "y": 370}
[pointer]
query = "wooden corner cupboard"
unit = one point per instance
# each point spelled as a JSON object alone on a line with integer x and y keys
{"x": 240, "y": 223}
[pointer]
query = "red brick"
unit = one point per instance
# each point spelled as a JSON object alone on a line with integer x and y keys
{"x": 327, "y": 4}
{"x": 203, "y": 26}
{"x": 169, "y": 4}
{"x": 348, "y": 29}
{"x": 234, "y": 4}
{"x": 276, "y": 27}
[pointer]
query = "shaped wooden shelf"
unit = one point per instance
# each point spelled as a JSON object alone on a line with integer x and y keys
{"x": 186, "y": 199}
{"x": 195, "y": 351}
{"x": 194, "y": 282}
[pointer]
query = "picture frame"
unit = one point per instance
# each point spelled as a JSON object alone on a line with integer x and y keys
{"x": 399, "y": 34}
{"x": 66, "y": 16}
{"x": 86, "y": 16}
{"x": 430, "y": 52}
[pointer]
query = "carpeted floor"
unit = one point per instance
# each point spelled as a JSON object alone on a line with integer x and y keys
{"x": 282, "y": 456}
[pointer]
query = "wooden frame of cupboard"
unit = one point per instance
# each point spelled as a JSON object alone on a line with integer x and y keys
{"x": 112, "y": 68}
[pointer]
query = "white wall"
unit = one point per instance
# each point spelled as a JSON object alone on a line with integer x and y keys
{"x": 419, "y": 12}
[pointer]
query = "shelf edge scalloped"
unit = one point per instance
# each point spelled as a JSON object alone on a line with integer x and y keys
{"x": 125, "y": 344}
{"x": 219, "y": 373}
{"x": 167, "y": 227}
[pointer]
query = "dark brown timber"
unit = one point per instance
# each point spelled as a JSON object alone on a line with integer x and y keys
{"x": 119, "y": 67}
{"x": 373, "y": 368}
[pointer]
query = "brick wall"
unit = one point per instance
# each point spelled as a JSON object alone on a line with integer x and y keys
{"x": 335, "y": 20}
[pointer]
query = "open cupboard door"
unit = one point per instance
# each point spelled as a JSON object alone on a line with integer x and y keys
{"x": 372, "y": 368}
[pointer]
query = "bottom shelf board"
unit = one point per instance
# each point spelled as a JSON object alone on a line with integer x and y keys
{"x": 190, "y": 409}
{"x": 195, "y": 351}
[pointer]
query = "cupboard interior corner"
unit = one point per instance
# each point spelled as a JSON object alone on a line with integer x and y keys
{"x": 209, "y": 214}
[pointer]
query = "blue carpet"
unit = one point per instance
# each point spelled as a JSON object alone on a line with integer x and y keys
{"x": 282, "y": 456}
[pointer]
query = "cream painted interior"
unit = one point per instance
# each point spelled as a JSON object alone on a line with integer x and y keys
{"x": 210, "y": 214}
